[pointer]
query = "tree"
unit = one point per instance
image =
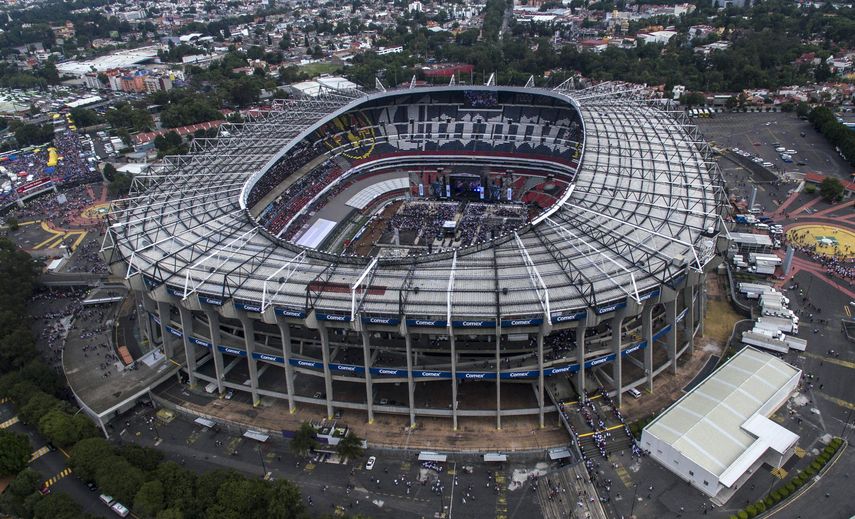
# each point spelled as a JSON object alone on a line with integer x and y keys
{"x": 304, "y": 440}
{"x": 15, "y": 452}
{"x": 121, "y": 184}
{"x": 118, "y": 478}
{"x": 141, "y": 457}
{"x": 285, "y": 501}
{"x": 350, "y": 447}
{"x": 109, "y": 172}
{"x": 149, "y": 500}
{"x": 32, "y": 134}
{"x": 831, "y": 189}
{"x": 57, "y": 506}
{"x": 39, "y": 405}
{"x": 83, "y": 117}
{"x": 65, "y": 430}
{"x": 178, "y": 485}
{"x": 87, "y": 455}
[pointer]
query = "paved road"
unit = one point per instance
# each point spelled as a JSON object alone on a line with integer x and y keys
{"x": 52, "y": 463}
{"x": 488, "y": 486}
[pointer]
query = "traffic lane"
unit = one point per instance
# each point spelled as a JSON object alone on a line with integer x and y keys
{"x": 831, "y": 492}
{"x": 195, "y": 446}
{"x": 52, "y": 463}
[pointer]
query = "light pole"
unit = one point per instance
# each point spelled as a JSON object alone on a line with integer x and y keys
{"x": 261, "y": 457}
{"x": 634, "y": 495}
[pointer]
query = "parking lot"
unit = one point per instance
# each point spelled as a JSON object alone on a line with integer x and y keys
{"x": 759, "y": 134}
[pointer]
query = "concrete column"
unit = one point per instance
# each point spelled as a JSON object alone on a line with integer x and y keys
{"x": 702, "y": 303}
{"x": 325, "y": 351}
{"x": 540, "y": 381}
{"x": 689, "y": 320}
{"x": 617, "y": 365}
{"x": 369, "y": 385}
{"x": 453, "y": 380}
{"x": 411, "y": 384}
{"x": 580, "y": 357}
{"x": 189, "y": 348}
{"x": 167, "y": 338}
{"x": 214, "y": 334}
{"x": 498, "y": 380}
{"x": 647, "y": 335}
{"x": 671, "y": 337}
{"x": 252, "y": 363}
{"x": 285, "y": 334}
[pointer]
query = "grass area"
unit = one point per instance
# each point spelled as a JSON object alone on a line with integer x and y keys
{"x": 316, "y": 69}
{"x": 719, "y": 321}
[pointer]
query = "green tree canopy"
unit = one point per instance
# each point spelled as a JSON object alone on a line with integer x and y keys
{"x": 350, "y": 447}
{"x": 57, "y": 506}
{"x": 149, "y": 500}
{"x": 15, "y": 452}
{"x": 831, "y": 189}
{"x": 304, "y": 440}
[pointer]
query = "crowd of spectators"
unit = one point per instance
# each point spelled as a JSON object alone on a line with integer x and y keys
{"x": 296, "y": 159}
{"x": 424, "y": 219}
{"x": 298, "y": 195}
{"x": 49, "y": 208}
{"x": 837, "y": 264}
{"x": 73, "y": 168}
{"x": 481, "y": 222}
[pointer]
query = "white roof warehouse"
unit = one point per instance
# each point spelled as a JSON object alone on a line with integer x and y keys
{"x": 719, "y": 433}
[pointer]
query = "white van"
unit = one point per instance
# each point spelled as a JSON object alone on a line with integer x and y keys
{"x": 210, "y": 388}
{"x": 761, "y": 226}
{"x": 634, "y": 392}
{"x": 107, "y": 500}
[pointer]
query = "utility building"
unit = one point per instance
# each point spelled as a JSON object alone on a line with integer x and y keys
{"x": 719, "y": 433}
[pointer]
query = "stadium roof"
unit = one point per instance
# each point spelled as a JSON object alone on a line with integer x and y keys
{"x": 117, "y": 59}
{"x": 722, "y": 423}
{"x": 644, "y": 209}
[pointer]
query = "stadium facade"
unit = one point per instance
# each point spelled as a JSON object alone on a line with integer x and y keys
{"x": 604, "y": 284}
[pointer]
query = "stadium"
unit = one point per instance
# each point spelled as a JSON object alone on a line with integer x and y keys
{"x": 438, "y": 252}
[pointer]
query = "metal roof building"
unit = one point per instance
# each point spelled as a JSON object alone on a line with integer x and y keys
{"x": 719, "y": 433}
{"x": 626, "y": 245}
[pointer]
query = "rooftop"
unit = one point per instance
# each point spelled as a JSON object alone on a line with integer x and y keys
{"x": 721, "y": 424}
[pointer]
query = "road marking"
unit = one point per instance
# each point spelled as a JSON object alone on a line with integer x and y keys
{"x": 233, "y": 444}
{"x": 267, "y": 476}
{"x": 194, "y": 435}
{"x": 405, "y": 466}
{"x": 9, "y": 423}
{"x": 779, "y": 473}
{"x": 612, "y": 428}
{"x": 53, "y": 480}
{"x": 847, "y": 311}
{"x": 839, "y": 401}
{"x": 308, "y": 467}
{"x": 831, "y": 360}
{"x": 39, "y": 453}
{"x": 800, "y": 452}
{"x": 624, "y": 476}
{"x": 502, "y": 498}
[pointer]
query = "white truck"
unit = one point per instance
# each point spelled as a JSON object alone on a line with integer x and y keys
{"x": 764, "y": 341}
{"x": 755, "y": 257}
{"x": 777, "y": 312}
{"x": 774, "y": 297}
{"x": 779, "y": 323}
{"x": 755, "y": 290}
{"x": 795, "y": 343}
{"x": 762, "y": 268}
